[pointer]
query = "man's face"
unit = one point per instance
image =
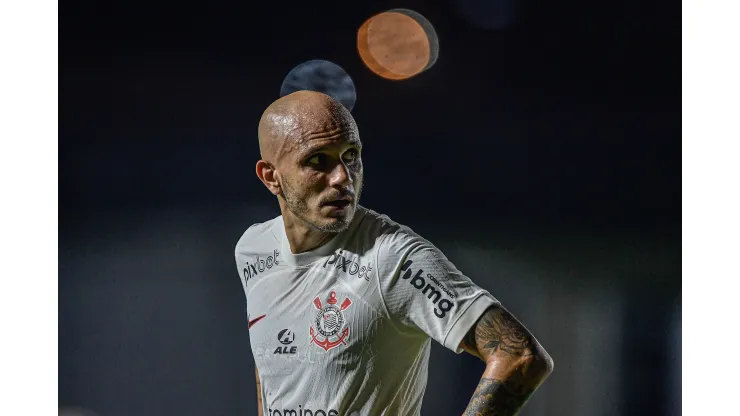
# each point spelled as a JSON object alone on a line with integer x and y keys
{"x": 321, "y": 180}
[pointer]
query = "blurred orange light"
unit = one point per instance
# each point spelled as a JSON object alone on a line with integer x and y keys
{"x": 397, "y": 45}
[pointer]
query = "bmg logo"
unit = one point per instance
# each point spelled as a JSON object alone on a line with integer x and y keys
{"x": 443, "y": 304}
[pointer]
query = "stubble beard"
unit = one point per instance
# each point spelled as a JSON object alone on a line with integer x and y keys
{"x": 297, "y": 206}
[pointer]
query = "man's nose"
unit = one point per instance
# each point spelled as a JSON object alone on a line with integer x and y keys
{"x": 340, "y": 175}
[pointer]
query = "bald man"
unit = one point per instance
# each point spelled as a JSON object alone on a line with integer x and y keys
{"x": 343, "y": 302}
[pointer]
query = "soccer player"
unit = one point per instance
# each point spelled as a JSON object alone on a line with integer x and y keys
{"x": 342, "y": 302}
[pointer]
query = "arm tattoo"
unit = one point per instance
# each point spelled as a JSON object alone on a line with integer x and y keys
{"x": 497, "y": 330}
{"x": 497, "y": 398}
{"x": 520, "y": 364}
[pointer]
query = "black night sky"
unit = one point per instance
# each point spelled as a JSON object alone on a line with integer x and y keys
{"x": 571, "y": 114}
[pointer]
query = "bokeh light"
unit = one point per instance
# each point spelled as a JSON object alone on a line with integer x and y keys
{"x": 398, "y": 44}
{"x": 322, "y": 76}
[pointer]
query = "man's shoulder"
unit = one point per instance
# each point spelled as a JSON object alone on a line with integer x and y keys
{"x": 259, "y": 236}
{"x": 380, "y": 228}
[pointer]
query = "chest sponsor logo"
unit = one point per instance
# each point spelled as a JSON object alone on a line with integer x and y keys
{"x": 260, "y": 265}
{"x": 286, "y": 337}
{"x": 329, "y": 328}
{"x": 348, "y": 265}
{"x": 301, "y": 411}
{"x": 437, "y": 295}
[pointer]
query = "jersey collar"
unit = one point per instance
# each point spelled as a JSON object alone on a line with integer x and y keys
{"x": 308, "y": 257}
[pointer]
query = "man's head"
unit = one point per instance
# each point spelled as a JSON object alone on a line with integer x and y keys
{"x": 310, "y": 151}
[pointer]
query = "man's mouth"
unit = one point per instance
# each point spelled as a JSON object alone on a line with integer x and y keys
{"x": 338, "y": 203}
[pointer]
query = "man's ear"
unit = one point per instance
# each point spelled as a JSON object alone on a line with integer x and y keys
{"x": 267, "y": 174}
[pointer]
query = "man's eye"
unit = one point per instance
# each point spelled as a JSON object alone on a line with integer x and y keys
{"x": 317, "y": 160}
{"x": 351, "y": 155}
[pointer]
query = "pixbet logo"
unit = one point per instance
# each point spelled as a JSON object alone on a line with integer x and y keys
{"x": 444, "y": 305}
{"x": 349, "y": 266}
{"x": 260, "y": 265}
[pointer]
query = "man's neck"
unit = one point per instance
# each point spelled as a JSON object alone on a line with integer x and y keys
{"x": 301, "y": 236}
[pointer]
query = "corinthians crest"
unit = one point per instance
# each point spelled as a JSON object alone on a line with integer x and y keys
{"x": 327, "y": 329}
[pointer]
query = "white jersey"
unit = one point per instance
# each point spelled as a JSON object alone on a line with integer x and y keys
{"x": 345, "y": 329}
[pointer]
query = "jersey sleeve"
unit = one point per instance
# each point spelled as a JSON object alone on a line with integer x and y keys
{"x": 241, "y": 253}
{"x": 423, "y": 291}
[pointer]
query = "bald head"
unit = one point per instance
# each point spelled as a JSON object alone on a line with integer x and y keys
{"x": 311, "y": 160}
{"x": 291, "y": 121}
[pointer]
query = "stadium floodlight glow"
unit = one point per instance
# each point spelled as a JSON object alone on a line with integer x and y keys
{"x": 321, "y": 76}
{"x": 398, "y": 44}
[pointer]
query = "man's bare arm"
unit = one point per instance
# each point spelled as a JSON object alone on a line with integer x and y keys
{"x": 516, "y": 364}
{"x": 259, "y": 392}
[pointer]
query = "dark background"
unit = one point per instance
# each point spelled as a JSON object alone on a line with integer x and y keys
{"x": 542, "y": 156}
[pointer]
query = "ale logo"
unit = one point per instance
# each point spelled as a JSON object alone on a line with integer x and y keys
{"x": 286, "y": 337}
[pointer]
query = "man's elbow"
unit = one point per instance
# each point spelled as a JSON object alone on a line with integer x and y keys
{"x": 542, "y": 364}
{"x": 550, "y": 363}
{"x": 534, "y": 366}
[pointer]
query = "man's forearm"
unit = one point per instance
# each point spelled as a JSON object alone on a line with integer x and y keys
{"x": 259, "y": 393}
{"x": 516, "y": 364}
{"x": 502, "y": 396}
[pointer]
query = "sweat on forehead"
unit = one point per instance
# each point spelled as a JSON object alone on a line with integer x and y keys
{"x": 294, "y": 119}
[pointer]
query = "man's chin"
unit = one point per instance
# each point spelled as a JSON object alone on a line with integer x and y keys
{"x": 335, "y": 222}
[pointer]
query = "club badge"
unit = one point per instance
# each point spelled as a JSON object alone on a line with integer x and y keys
{"x": 328, "y": 328}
